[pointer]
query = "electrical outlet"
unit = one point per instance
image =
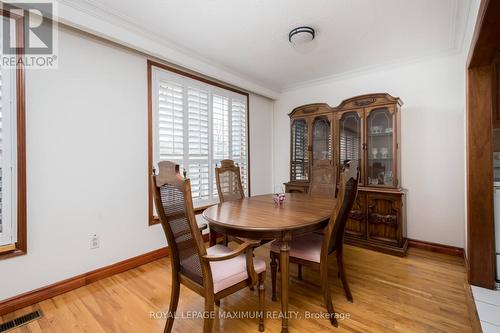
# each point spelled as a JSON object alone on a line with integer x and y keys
{"x": 94, "y": 242}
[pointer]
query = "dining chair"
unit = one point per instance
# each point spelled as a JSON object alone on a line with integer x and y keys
{"x": 323, "y": 182}
{"x": 313, "y": 249}
{"x": 229, "y": 188}
{"x": 213, "y": 272}
{"x": 228, "y": 179}
{"x": 323, "y": 179}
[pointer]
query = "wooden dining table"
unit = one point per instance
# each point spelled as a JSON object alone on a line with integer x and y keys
{"x": 260, "y": 218}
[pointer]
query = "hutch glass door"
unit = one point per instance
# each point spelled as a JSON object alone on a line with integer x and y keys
{"x": 322, "y": 141}
{"x": 350, "y": 137}
{"x": 300, "y": 159}
{"x": 322, "y": 179}
{"x": 380, "y": 147}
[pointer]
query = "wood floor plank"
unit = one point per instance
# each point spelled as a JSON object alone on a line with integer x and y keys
{"x": 423, "y": 292}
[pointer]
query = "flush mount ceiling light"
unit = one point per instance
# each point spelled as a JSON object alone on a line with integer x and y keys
{"x": 301, "y": 35}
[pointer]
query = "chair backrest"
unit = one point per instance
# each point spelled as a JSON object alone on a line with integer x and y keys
{"x": 348, "y": 189}
{"x": 323, "y": 176}
{"x": 172, "y": 194}
{"x": 228, "y": 181}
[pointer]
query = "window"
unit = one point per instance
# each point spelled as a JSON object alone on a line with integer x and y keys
{"x": 197, "y": 123}
{"x": 12, "y": 150}
{"x": 7, "y": 156}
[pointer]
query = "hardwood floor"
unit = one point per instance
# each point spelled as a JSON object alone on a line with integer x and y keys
{"x": 423, "y": 292}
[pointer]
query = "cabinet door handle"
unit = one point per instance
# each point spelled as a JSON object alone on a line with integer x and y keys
{"x": 364, "y": 146}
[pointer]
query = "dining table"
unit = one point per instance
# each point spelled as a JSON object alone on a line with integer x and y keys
{"x": 261, "y": 218}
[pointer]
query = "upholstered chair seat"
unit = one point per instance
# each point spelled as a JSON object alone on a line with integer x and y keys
{"x": 232, "y": 271}
{"x": 307, "y": 247}
{"x": 314, "y": 249}
{"x": 213, "y": 273}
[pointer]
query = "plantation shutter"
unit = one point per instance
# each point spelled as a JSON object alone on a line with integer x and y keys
{"x": 197, "y": 125}
{"x": 1, "y": 150}
{"x": 220, "y": 116}
{"x": 7, "y": 224}
{"x": 1, "y": 155}
{"x": 170, "y": 121}
{"x": 198, "y": 141}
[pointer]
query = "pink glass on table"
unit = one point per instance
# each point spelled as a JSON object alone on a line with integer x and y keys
{"x": 279, "y": 198}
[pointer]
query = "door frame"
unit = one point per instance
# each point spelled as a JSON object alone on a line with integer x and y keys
{"x": 480, "y": 259}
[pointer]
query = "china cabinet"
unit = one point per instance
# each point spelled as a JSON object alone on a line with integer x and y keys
{"x": 367, "y": 129}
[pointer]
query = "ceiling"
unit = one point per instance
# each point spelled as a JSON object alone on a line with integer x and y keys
{"x": 250, "y": 37}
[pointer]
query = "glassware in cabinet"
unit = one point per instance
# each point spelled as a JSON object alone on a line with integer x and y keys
{"x": 380, "y": 147}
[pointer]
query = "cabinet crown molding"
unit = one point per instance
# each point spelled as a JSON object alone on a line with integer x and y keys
{"x": 353, "y": 102}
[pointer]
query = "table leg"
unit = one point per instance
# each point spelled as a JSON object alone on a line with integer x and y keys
{"x": 284, "y": 265}
{"x": 213, "y": 236}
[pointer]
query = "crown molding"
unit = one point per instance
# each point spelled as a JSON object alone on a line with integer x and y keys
{"x": 89, "y": 16}
{"x": 369, "y": 70}
{"x": 456, "y": 46}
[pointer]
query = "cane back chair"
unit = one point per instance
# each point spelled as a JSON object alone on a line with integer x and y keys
{"x": 213, "y": 273}
{"x": 314, "y": 249}
{"x": 229, "y": 188}
{"x": 228, "y": 179}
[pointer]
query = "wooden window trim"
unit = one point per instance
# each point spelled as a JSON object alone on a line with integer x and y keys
{"x": 152, "y": 220}
{"x": 20, "y": 246}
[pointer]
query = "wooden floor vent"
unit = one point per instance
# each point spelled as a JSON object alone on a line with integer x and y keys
{"x": 20, "y": 321}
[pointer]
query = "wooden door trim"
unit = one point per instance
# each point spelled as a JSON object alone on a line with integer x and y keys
{"x": 480, "y": 211}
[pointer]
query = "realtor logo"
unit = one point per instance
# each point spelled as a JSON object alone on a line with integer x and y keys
{"x": 29, "y": 34}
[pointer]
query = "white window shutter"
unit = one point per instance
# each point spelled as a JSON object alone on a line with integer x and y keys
{"x": 7, "y": 140}
{"x": 1, "y": 155}
{"x": 170, "y": 121}
{"x": 198, "y": 123}
{"x": 198, "y": 143}
{"x": 220, "y": 116}
{"x": 197, "y": 126}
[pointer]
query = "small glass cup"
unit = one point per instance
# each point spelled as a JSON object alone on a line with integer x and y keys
{"x": 279, "y": 198}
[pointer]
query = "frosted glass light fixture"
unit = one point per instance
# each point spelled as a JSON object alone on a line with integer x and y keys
{"x": 301, "y": 35}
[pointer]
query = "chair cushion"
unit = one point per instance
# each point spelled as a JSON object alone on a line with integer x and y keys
{"x": 229, "y": 272}
{"x": 240, "y": 240}
{"x": 307, "y": 247}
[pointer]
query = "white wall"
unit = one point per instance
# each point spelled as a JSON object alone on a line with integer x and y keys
{"x": 87, "y": 163}
{"x": 432, "y": 138}
{"x": 261, "y": 146}
{"x": 469, "y": 33}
